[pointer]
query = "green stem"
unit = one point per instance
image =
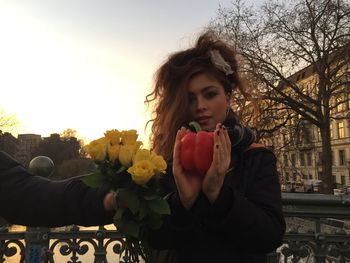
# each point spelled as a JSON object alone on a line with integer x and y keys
{"x": 195, "y": 125}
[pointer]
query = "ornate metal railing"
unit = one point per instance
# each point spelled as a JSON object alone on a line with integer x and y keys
{"x": 318, "y": 230}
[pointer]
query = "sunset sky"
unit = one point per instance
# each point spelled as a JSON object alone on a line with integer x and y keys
{"x": 88, "y": 65}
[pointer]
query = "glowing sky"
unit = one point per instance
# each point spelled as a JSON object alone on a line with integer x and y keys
{"x": 87, "y": 65}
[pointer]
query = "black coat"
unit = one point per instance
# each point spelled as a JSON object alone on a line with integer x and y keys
{"x": 31, "y": 200}
{"x": 242, "y": 225}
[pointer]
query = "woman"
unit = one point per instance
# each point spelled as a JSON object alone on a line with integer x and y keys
{"x": 234, "y": 212}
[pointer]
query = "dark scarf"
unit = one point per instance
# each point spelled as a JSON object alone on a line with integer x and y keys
{"x": 241, "y": 136}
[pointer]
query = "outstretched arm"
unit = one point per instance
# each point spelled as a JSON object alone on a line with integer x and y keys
{"x": 36, "y": 201}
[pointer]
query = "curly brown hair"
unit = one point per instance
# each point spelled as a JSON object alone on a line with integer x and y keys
{"x": 170, "y": 93}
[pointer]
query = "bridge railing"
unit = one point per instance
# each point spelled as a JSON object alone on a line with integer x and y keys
{"x": 318, "y": 230}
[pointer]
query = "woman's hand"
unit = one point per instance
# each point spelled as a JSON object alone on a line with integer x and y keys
{"x": 188, "y": 185}
{"x": 215, "y": 176}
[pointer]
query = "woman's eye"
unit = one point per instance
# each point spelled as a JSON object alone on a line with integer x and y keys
{"x": 210, "y": 95}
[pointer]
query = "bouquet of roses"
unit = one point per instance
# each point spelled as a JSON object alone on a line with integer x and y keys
{"x": 132, "y": 173}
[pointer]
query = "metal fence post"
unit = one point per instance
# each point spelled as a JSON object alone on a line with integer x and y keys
{"x": 37, "y": 238}
{"x": 37, "y": 244}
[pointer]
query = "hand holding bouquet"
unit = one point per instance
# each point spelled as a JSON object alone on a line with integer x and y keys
{"x": 132, "y": 173}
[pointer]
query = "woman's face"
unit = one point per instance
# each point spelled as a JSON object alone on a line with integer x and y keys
{"x": 208, "y": 101}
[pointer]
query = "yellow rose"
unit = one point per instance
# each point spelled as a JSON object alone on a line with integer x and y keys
{"x": 138, "y": 144}
{"x": 129, "y": 137}
{"x": 142, "y": 154}
{"x": 113, "y": 136}
{"x": 97, "y": 149}
{"x": 142, "y": 171}
{"x": 159, "y": 163}
{"x": 113, "y": 152}
{"x": 126, "y": 153}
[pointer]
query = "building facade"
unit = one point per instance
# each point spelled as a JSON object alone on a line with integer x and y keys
{"x": 27, "y": 144}
{"x": 298, "y": 144}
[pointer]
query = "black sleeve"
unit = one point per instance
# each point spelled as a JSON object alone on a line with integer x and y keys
{"x": 36, "y": 201}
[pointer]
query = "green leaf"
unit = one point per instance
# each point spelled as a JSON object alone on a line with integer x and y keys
{"x": 155, "y": 221}
{"x": 94, "y": 179}
{"x": 128, "y": 227}
{"x": 119, "y": 213}
{"x": 143, "y": 211}
{"x": 129, "y": 199}
{"x": 159, "y": 206}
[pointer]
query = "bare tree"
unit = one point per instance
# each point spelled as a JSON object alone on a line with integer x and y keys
{"x": 8, "y": 123}
{"x": 282, "y": 40}
{"x": 69, "y": 133}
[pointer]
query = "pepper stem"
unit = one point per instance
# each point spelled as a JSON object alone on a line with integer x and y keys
{"x": 195, "y": 125}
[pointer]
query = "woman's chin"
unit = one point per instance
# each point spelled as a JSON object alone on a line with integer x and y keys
{"x": 208, "y": 127}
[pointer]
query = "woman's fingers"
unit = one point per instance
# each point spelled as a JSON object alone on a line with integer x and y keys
{"x": 222, "y": 149}
{"x": 177, "y": 146}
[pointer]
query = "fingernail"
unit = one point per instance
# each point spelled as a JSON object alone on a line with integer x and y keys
{"x": 223, "y": 126}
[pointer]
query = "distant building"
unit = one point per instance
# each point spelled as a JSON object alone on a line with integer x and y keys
{"x": 299, "y": 151}
{"x": 28, "y": 143}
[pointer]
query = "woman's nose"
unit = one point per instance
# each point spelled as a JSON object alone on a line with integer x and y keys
{"x": 201, "y": 104}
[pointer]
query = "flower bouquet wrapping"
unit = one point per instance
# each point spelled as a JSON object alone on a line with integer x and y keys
{"x": 132, "y": 172}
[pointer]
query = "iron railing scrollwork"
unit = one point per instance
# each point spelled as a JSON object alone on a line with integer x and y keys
{"x": 318, "y": 231}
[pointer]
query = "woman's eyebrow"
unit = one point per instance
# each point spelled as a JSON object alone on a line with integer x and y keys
{"x": 210, "y": 87}
{"x": 206, "y": 88}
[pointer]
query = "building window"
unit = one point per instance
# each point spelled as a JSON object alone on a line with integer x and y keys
{"x": 320, "y": 158}
{"x": 342, "y": 157}
{"x": 309, "y": 158}
{"x": 334, "y": 179}
{"x": 302, "y": 159}
{"x": 340, "y": 106}
{"x": 285, "y": 159}
{"x": 342, "y": 179}
{"x": 331, "y": 130}
{"x": 341, "y": 131}
{"x": 293, "y": 159}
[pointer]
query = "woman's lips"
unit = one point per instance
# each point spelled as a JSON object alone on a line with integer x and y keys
{"x": 203, "y": 120}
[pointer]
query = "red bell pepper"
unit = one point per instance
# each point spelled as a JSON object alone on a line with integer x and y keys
{"x": 196, "y": 154}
